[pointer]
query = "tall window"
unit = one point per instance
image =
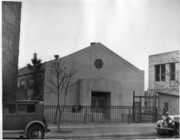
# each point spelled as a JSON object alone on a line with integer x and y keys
{"x": 172, "y": 71}
{"x": 160, "y": 71}
{"x": 22, "y": 82}
{"x": 166, "y": 106}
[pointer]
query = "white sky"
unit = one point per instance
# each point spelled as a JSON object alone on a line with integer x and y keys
{"x": 134, "y": 29}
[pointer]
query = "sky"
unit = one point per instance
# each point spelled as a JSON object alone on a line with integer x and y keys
{"x": 133, "y": 29}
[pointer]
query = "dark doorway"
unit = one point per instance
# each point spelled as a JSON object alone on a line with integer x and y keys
{"x": 100, "y": 101}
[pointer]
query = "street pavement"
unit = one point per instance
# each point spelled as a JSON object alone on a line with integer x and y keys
{"x": 104, "y": 131}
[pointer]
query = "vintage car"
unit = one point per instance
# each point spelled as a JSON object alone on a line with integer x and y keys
{"x": 168, "y": 125}
{"x": 24, "y": 118}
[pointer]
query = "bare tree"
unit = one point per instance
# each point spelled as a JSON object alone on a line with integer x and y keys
{"x": 59, "y": 83}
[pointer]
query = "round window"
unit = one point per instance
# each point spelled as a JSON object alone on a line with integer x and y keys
{"x": 98, "y": 63}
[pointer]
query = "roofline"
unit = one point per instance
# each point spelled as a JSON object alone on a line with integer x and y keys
{"x": 167, "y": 94}
{"x": 164, "y": 53}
{"x": 84, "y": 50}
{"x": 77, "y": 53}
{"x": 29, "y": 73}
{"x": 123, "y": 60}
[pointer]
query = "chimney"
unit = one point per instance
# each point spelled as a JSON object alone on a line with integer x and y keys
{"x": 92, "y": 43}
{"x": 56, "y": 56}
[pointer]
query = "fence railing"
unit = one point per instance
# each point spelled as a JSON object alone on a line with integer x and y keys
{"x": 145, "y": 114}
{"x": 89, "y": 114}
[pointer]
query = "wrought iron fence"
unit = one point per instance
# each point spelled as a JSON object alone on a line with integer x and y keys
{"x": 145, "y": 114}
{"x": 89, "y": 114}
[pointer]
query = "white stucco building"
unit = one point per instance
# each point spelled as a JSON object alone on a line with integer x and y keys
{"x": 104, "y": 78}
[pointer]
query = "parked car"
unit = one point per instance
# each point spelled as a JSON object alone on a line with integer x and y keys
{"x": 24, "y": 118}
{"x": 168, "y": 125}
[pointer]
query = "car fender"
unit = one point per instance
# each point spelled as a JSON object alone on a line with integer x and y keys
{"x": 35, "y": 122}
{"x": 159, "y": 122}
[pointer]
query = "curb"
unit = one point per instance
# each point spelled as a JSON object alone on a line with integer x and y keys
{"x": 100, "y": 126}
{"x": 99, "y": 135}
{"x": 74, "y": 134}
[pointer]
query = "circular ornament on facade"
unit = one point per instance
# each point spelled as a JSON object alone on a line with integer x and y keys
{"x": 98, "y": 63}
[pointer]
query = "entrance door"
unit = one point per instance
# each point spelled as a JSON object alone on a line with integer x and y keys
{"x": 98, "y": 104}
{"x": 99, "y": 101}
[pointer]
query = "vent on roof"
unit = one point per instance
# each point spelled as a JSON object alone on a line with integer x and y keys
{"x": 56, "y": 56}
{"x": 92, "y": 43}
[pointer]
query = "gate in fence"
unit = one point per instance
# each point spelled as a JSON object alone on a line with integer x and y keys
{"x": 145, "y": 108}
{"x": 89, "y": 114}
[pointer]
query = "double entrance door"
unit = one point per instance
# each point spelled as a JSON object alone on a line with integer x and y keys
{"x": 99, "y": 101}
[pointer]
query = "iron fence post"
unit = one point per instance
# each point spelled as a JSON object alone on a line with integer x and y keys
{"x": 133, "y": 105}
{"x": 85, "y": 116}
{"x": 140, "y": 109}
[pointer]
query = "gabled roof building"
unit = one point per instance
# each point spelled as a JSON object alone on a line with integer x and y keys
{"x": 104, "y": 78}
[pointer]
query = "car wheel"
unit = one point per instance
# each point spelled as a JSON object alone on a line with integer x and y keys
{"x": 159, "y": 132}
{"x": 35, "y": 132}
{"x": 171, "y": 133}
{"x": 178, "y": 130}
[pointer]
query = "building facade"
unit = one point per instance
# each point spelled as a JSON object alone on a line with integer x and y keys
{"x": 25, "y": 82}
{"x": 11, "y": 18}
{"x": 164, "y": 80}
{"x": 103, "y": 78}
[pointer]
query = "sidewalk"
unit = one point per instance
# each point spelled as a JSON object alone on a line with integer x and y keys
{"x": 101, "y": 130}
{"x": 92, "y": 125}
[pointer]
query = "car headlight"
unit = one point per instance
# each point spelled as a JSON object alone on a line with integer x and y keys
{"x": 170, "y": 121}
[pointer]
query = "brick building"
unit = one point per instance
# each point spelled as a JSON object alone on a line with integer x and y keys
{"x": 104, "y": 78}
{"x": 11, "y": 17}
{"x": 164, "y": 79}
